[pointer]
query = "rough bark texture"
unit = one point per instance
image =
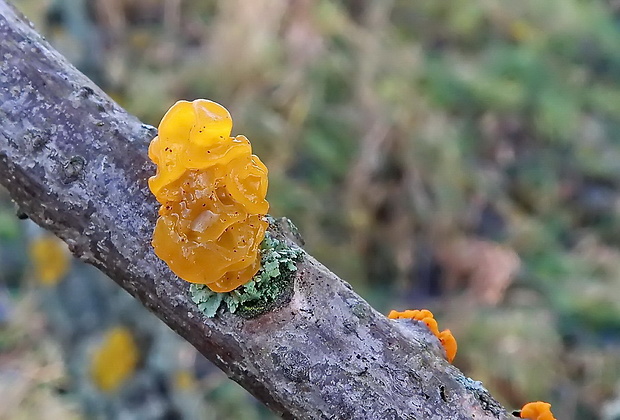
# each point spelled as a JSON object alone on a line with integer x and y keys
{"x": 76, "y": 164}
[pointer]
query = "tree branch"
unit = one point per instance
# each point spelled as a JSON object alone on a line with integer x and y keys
{"x": 76, "y": 164}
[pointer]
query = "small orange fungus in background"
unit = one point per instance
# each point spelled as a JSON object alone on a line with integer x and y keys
{"x": 50, "y": 258}
{"x": 212, "y": 192}
{"x": 115, "y": 360}
{"x": 424, "y": 315}
{"x": 538, "y": 410}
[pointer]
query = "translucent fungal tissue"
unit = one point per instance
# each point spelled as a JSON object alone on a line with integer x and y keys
{"x": 538, "y": 410}
{"x": 212, "y": 192}
{"x": 445, "y": 337}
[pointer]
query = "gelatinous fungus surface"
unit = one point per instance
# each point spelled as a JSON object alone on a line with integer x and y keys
{"x": 270, "y": 287}
{"x": 445, "y": 337}
{"x": 538, "y": 410}
{"x": 212, "y": 193}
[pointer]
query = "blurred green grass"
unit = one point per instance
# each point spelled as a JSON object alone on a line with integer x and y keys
{"x": 419, "y": 146}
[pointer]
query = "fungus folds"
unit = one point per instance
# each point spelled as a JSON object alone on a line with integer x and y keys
{"x": 212, "y": 193}
{"x": 538, "y": 410}
{"x": 445, "y": 337}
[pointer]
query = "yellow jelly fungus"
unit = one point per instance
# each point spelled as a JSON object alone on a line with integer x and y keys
{"x": 115, "y": 360}
{"x": 538, "y": 410}
{"x": 445, "y": 337}
{"x": 50, "y": 258}
{"x": 212, "y": 192}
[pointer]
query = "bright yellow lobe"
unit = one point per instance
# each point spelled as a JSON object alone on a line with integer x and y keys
{"x": 212, "y": 191}
{"x": 115, "y": 360}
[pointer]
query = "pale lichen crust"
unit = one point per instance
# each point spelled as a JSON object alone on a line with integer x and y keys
{"x": 270, "y": 287}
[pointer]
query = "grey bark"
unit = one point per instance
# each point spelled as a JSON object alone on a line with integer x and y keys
{"x": 76, "y": 164}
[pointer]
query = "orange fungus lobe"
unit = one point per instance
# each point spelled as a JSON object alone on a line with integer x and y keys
{"x": 445, "y": 337}
{"x": 538, "y": 410}
{"x": 212, "y": 193}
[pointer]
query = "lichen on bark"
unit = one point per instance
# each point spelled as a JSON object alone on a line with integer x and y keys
{"x": 272, "y": 286}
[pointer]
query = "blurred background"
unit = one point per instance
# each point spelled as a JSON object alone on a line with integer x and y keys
{"x": 458, "y": 156}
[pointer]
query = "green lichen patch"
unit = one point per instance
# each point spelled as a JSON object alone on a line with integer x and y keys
{"x": 271, "y": 286}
